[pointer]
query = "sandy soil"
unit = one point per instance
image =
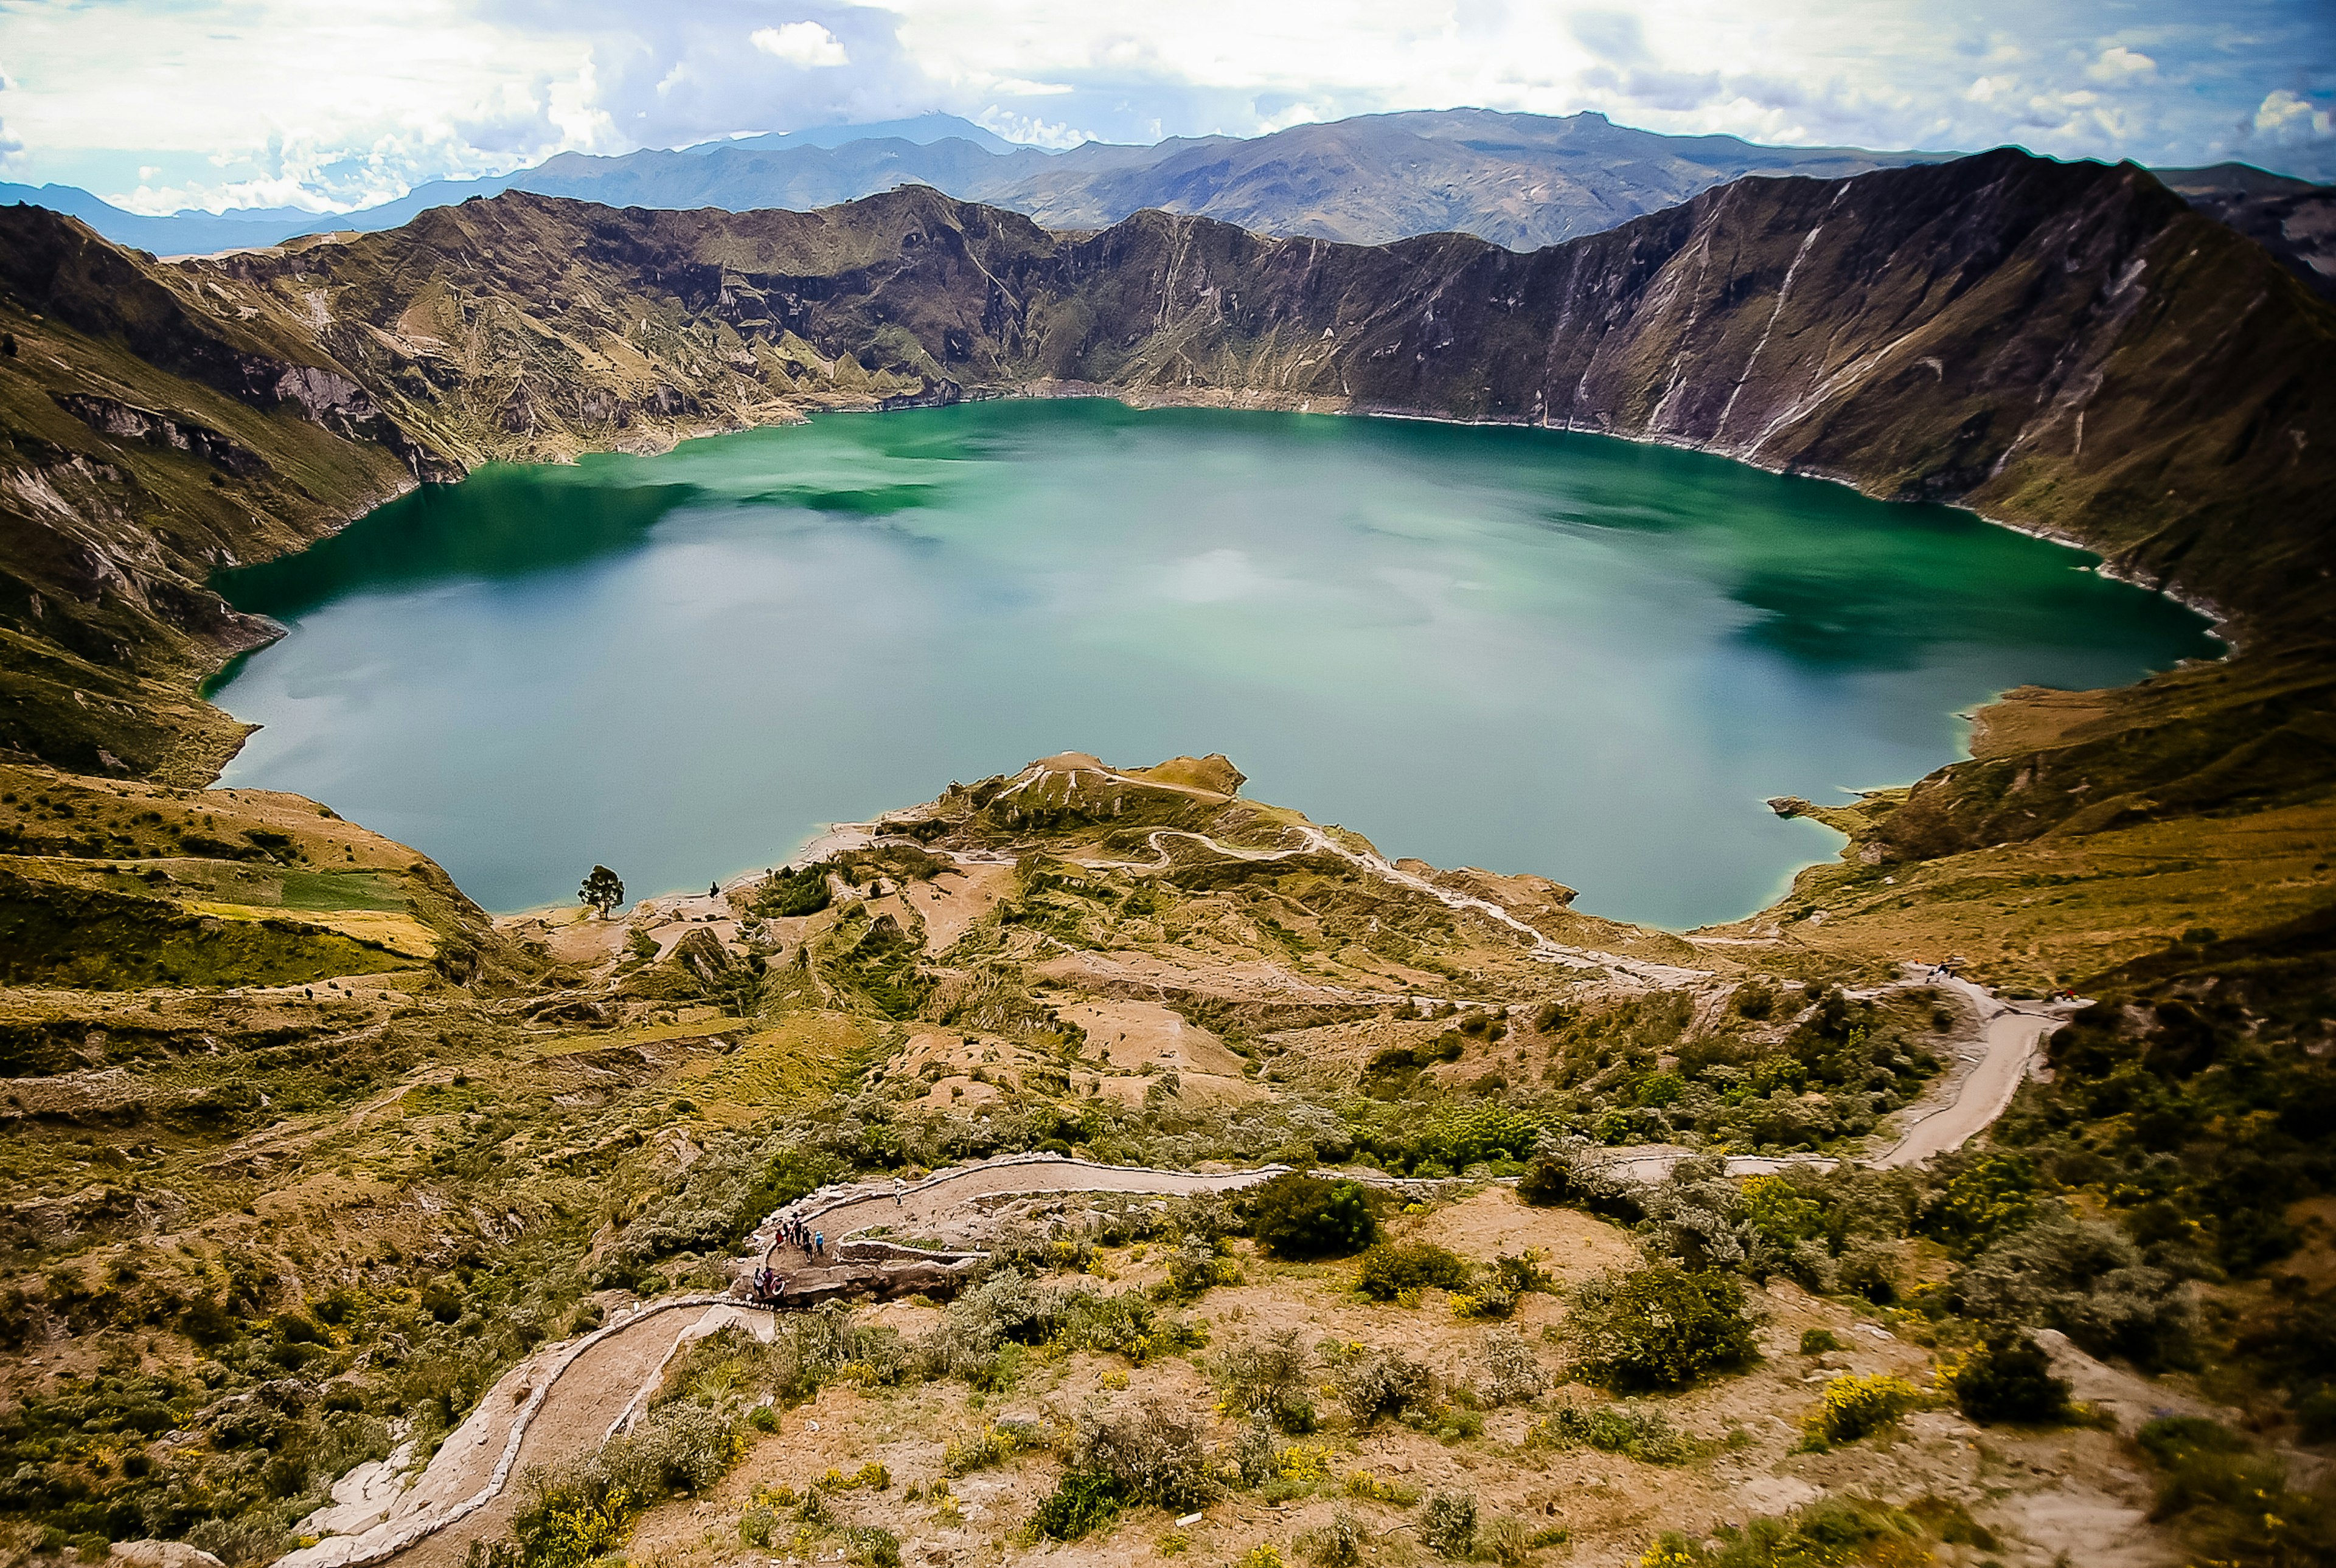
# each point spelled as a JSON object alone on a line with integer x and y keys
{"x": 952, "y": 901}
{"x": 573, "y": 934}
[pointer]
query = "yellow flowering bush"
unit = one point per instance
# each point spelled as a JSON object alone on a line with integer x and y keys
{"x": 1302, "y": 1462}
{"x": 1854, "y": 1406}
{"x": 1373, "y": 1488}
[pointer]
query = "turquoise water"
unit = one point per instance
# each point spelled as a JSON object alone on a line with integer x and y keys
{"x": 1511, "y": 648}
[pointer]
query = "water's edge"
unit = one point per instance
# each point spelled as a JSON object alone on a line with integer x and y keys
{"x": 2218, "y": 620}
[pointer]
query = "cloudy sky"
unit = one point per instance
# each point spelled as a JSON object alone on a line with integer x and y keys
{"x": 158, "y": 104}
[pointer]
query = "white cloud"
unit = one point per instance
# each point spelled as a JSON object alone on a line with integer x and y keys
{"x": 2284, "y": 114}
{"x": 2121, "y": 65}
{"x": 340, "y": 105}
{"x": 1030, "y": 131}
{"x": 803, "y": 44}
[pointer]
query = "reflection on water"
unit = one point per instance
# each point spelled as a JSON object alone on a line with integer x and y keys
{"x": 1513, "y": 648}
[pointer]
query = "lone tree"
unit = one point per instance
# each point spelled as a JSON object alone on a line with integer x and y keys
{"x": 604, "y": 890}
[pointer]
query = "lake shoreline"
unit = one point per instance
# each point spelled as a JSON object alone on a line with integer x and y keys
{"x": 1603, "y": 482}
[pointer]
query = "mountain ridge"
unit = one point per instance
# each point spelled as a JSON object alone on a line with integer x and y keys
{"x": 1963, "y": 334}
{"x": 1515, "y": 164}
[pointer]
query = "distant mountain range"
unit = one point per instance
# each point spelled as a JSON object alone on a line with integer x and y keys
{"x": 1521, "y": 180}
{"x": 2295, "y": 220}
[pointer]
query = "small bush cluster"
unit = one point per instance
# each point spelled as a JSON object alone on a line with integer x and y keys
{"x": 1513, "y": 1374}
{"x": 1497, "y": 1296}
{"x": 569, "y": 1516}
{"x": 1375, "y": 1488}
{"x": 1658, "y": 1328}
{"x": 1301, "y": 1217}
{"x": 1390, "y": 1269}
{"x": 2086, "y": 1280}
{"x": 1268, "y": 1377}
{"x": 1634, "y": 1431}
{"x": 2008, "y": 1378}
{"x": 1374, "y": 1384}
{"x": 1447, "y": 1523}
{"x": 1854, "y": 1406}
{"x": 1842, "y": 1530}
{"x": 1145, "y": 1453}
{"x": 2232, "y": 1500}
{"x": 1196, "y": 1265}
{"x": 994, "y": 1444}
{"x": 1338, "y": 1542}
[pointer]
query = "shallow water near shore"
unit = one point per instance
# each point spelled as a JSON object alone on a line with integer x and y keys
{"x": 1521, "y": 650}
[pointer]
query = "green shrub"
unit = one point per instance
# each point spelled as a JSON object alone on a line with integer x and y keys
{"x": 1081, "y": 1501}
{"x": 1521, "y": 1271}
{"x": 795, "y": 892}
{"x": 1547, "y": 1181}
{"x": 1951, "y": 1522}
{"x": 1843, "y": 1529}
{"x": 1298, "y": 1216}
{"x": 872, "y": 1546}
{"x": 1126, "y": 1324}
{"x": 1268, "y": 1377}
{"x": 238, "y": 1543}
{"x": 1818, "y": 1341}
{"x": 1658, "y": 1329}
{"x": 1514, "y": 1374}
{"x": 1511, "y": 1540}
{"x": 567, "y": 1517}
{"x": 2086, "y": 1280}
{"x": 2009, "y": 1378}
{"x": 1988, "y": 1196}
{"x": 1340, "y": 1544}
{"x": 994, "y": 1444}
{"x": 1855, "y": 1406}
{"x": 1391, "y": 1268}
{"x": 1151, "y": 1455}
{"x": 1195, "y": 1265}
{"x": 1383, "y": 1383}
{"x": 1447, "y": 1523}
{"x": 1635, "y": 1432}
{"x": 2234, "y": 1501}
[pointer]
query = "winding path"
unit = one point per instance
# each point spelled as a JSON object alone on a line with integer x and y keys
{"x": 567, "y": 1398}
{"x": 2014, "y": 1038}
{"x": 841, "y": 1211}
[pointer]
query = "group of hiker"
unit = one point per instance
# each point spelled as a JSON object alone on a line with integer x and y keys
{"x": 769, "y": 1284}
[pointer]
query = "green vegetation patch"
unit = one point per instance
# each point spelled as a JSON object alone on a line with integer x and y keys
{"x": 93, "y": 939}
{"x": 1298, "y": 1216}
{"x": 1658, "y": 1328}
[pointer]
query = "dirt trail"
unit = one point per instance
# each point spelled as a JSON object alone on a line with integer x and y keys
{"x": 2014, "y": 1037}
{"x": 1316, "y": 840}
{"x": 459, "y": 1499}
{"x": 839, "y": 1215}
